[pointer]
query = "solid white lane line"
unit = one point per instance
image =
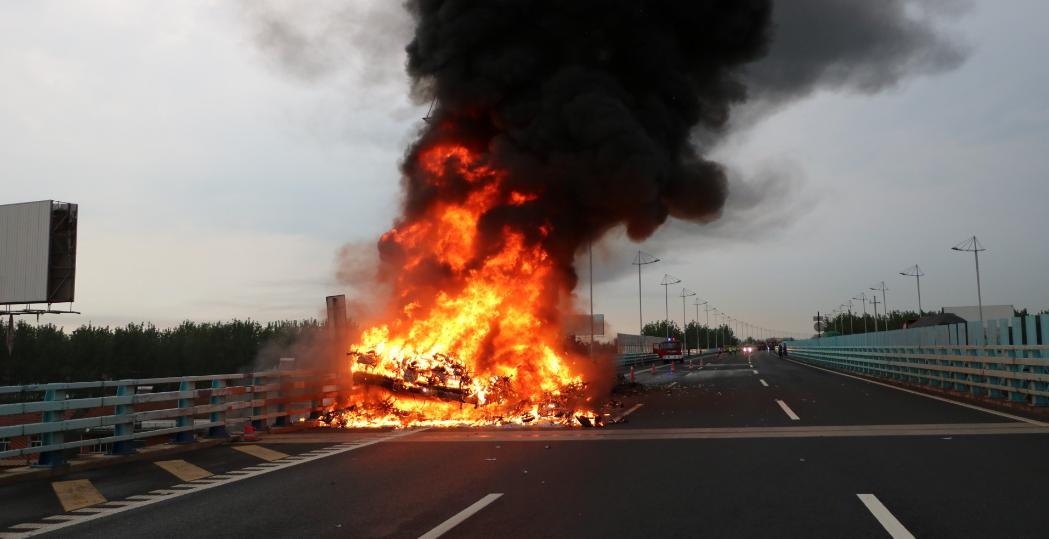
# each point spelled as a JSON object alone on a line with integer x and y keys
{"x": 885, "y": 518}
{"x": 763, "y": 382}
{"x": 459, "y": 517}
{"x": 755, "y": 371}
{"x": 671, "y": 384}
{"x": 927, "y": 395}
{"x": 786, "y": 409}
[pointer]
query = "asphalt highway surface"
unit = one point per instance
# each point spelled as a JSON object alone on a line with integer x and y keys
{"x": 754, "y": 446}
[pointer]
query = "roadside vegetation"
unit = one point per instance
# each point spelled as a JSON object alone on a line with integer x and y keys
{"x": 47, "y": 353}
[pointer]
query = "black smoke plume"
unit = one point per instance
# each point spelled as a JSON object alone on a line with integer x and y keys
{"x": 610, "y": 106}
{"x": 589, "y": 104}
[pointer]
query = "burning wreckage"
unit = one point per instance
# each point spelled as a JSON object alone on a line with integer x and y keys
{"x": 441, "y": 380}
{"x": 536, "y": 145}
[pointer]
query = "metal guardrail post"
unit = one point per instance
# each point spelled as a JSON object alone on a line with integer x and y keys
{"x": 1032, "y": 338}
{"x": 54, "y": 458}
{"x": 217, "y": 431}
{"x": 257, "y": 424}
{"x": 282, "y": 417}
{"x": 124, "y": 447}
{"x": 186, "y": 436}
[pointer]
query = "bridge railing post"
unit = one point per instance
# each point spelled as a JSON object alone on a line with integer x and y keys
{"x": 186, "y": 420}
{"x": 281, "y": 419}
{"x": 127, "y": 425}
{"x": 56, "y": 457}
{"x": 218, "y": 416}
{"x": 258, "y": 400}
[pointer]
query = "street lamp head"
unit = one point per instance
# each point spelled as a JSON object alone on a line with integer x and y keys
{"x": 669, "y": 280}
{"x": 969, "y": 245}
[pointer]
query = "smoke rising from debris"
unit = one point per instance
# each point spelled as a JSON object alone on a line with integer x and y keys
{"x": 586, "y": 105}
{"x": 607, "y": 109}
{"x": 856, "y": 46}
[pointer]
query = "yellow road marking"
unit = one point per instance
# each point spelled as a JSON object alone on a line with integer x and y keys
{"x": 260, "y": 452}
{"x": 77, "y": 494}
{"x": 183, "y": 470}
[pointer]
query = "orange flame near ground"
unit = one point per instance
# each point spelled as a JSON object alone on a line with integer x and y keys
{"x": 487, "y": 319}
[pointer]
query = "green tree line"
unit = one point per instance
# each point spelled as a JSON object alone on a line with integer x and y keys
{"x": 716, "y": 335}
{"x": 848, "y": 324}
{"x": 46, "y": 353}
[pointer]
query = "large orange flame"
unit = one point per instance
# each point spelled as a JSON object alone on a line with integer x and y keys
{"x": 483, "y": 335}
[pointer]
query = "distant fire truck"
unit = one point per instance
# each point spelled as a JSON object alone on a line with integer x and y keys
{"x": 668, "y": 350}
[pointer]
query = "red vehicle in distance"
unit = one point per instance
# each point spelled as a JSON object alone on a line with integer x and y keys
{"x": 668, "y": 350}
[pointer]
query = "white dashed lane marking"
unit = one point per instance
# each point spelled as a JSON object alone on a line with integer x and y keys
{"x": 459, "y": 517}
{"x": 786, "y": 409}
{"x": 885, "y": 517}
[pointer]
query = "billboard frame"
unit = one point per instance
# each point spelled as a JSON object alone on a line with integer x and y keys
{"x": 39, "y": 243}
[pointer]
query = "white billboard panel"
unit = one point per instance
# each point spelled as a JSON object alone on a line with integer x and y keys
{"x": 25, "y": 239}
{"x": 37, "y": 252}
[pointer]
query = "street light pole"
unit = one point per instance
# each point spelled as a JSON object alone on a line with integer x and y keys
{"x": 916, "y": 272}
{"x": 708, "y": 308}
{"x": 884, "y": 306}
{"x": 875, "y": 303}
{"x": 716, "y": 337}
{"x": 697, "y": 303}
{"x": 863, "y": 296}
{"x": 666, "y": 282}
{"x": 643, "y": 259}
{"x": 973, "y": 245}
{"x": 686, "y": 293}
{"x": 590, "y": 255}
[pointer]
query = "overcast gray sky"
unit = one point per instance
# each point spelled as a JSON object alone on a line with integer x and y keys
{"x": 214, "y": 184}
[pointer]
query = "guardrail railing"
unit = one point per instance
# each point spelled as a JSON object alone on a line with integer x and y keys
{"x": 625, "y": 361}
{"x": 1006, "y": 360}
{"x": 118, "y": 413}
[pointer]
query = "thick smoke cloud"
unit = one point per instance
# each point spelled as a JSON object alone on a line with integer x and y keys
{"x": 610, "y": 107}
{"x": 320, "y": 40}
{"x": 857, "y": 46}
{"x": 588, "y": 104}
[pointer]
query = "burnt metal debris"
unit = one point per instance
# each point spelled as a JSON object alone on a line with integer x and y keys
{"x": 447, "y": 378}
